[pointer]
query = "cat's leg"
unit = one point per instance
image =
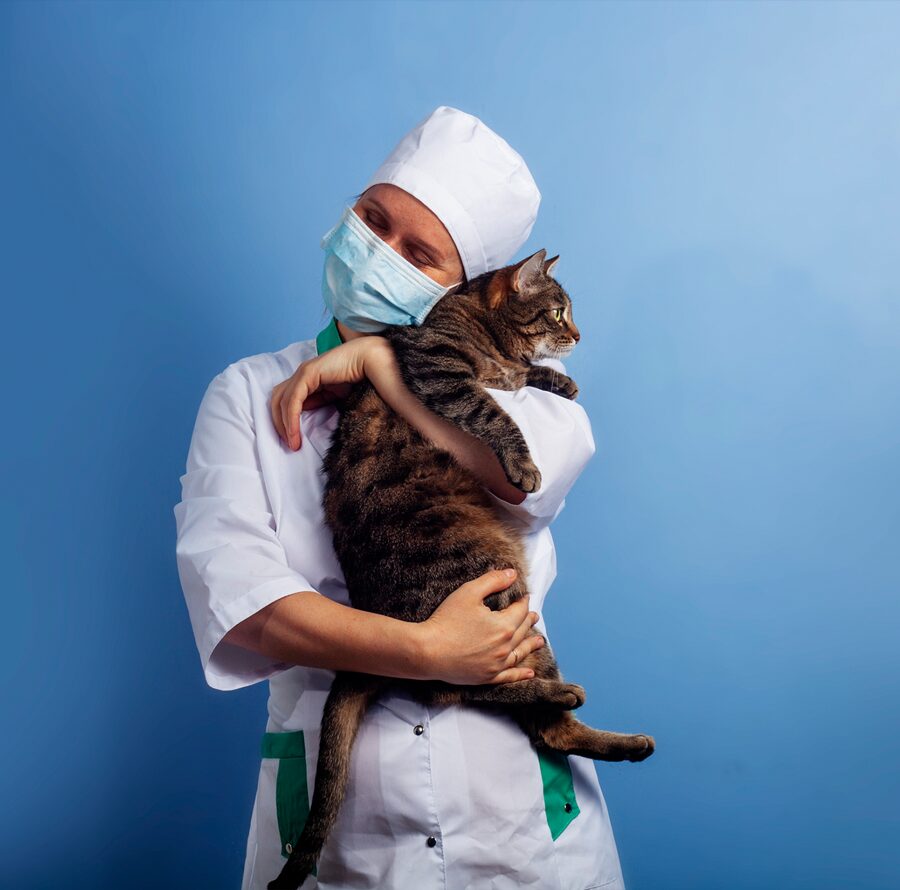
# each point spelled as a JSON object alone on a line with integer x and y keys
{"x": 566, "y": 733}
{"x": 350, "y": 696}
{"x": 544, "y": 377}
{"x": 443, "y": 377}
{"x": 534, "y": 691}
{"x": 547, "y": 687}
{"x": 469, "y": 406}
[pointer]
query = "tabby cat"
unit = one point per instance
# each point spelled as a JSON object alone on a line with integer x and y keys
{"x": 411, "y": 524}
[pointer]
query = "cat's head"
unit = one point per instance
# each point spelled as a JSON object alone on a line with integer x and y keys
{"x": 531, "y": 311}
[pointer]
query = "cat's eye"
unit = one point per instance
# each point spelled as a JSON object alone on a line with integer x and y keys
{"x": 557, "y": 313}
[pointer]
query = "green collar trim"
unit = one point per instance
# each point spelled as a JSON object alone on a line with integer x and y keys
{"x": 328, "y": 338}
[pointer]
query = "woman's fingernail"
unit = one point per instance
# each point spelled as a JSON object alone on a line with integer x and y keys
{"x": 510, "y": 573}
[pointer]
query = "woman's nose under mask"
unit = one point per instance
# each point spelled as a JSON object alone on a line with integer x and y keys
{"x": 367, "y": 285}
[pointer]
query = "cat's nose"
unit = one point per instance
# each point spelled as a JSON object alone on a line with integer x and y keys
{"x": 575, "y": 335}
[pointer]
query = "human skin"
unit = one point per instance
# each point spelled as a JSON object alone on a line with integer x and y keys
{"x": 463, "y": 641}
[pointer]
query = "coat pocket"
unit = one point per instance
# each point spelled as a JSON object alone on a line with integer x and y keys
{"x": 291, "y": 786}
{"x": 559, "y": 790}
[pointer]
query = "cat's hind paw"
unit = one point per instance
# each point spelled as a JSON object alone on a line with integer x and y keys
{"x": 575, "y": 695}
{"x": 564, "y": 695}
{"x": 641, "y": 747}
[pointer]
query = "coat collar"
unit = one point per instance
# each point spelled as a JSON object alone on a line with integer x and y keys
{"x": 328, "y": 337}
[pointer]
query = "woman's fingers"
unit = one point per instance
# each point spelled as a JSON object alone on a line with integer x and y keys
{"x": 524, "y": 627}
{"x": 275, "y": 408}
{"x": 302, "y": 392}
{"x": 291, "y": 407}
{"x": 490, "y": 582}
{"x": 510, "y": 675}
{"x": 518, "y": 621}
{"x": 334, "y": 371}
{"x": 524, "y": 642}
{"x": 515, "y": 615}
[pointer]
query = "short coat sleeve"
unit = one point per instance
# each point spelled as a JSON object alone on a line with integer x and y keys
{"x": 558, "y": 433}
{"x": 230, "y": 561}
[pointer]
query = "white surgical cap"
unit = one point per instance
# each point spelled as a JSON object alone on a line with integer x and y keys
{"x": 472, "y": 180}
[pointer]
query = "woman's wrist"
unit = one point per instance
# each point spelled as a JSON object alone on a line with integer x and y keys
{"x": 420, "y": 648}
{"x": 383, "y": 372}
{"x": 377, "y": 358}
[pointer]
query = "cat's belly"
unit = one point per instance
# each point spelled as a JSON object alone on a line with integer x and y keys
{"x": 410, "y": 525}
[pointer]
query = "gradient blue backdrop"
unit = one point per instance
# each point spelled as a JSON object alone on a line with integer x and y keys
{"x": 721, "y": 182}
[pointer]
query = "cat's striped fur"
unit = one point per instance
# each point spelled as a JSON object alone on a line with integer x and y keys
{"x": 411, "y": 524}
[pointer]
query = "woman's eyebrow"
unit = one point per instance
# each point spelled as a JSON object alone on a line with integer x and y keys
{"x": 429, "y": 248}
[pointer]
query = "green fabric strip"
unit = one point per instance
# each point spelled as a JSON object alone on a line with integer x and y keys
{"x": 291, "y": 786}
{"x": 328, "y": 338}
{"x": 559, "y": 790}
{"x": 284, "y": 744}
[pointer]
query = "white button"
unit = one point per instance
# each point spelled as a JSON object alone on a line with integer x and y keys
{"x": 289, "y": 848}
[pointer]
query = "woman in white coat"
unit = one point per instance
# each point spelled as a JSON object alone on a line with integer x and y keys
{"x": 439, "y": 797}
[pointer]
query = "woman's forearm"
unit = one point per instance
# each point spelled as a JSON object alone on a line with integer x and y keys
{"x": 384, "y": 374}
{"x": 309, "y": 629}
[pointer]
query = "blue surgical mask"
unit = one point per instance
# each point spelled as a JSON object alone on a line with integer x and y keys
{"x": 367, "y": 285}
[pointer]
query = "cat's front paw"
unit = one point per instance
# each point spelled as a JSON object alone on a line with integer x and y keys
{"x": 565, "y": 386}
{"x": 544, "y": 377}
{"x": 525, "y": 476}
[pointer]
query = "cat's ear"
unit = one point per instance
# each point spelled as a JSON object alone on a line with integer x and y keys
{"x": 517, "y": 279}
{"x": 523, "y": 274}
{"x": 549, "y": 264}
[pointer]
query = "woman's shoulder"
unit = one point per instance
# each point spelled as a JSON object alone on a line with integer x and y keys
{"x": 263, "y": 370}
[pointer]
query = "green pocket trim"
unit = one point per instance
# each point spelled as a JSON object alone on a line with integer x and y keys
{"x": 291, "y": 787}
{"x": 284, "y": 744}
{"x": 559, "y": 790}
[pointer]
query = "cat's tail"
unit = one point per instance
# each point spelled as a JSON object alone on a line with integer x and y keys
{"x": 345, "y": 707}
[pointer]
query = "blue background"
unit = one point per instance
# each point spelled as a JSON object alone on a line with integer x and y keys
{"x": 721, "y": 183}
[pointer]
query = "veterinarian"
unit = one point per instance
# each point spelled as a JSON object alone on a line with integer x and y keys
{"x": 439, "y": 798}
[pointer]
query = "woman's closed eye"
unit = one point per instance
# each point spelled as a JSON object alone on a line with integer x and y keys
{"x": 415, "y": 256}
{"x": 375, "y": 221}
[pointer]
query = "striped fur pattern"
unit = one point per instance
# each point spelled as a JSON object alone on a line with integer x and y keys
{"x": 411, "y": 525}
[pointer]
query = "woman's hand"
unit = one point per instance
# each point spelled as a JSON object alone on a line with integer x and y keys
{"x": 464, "y": 642}
{"x": 321, "y": 380}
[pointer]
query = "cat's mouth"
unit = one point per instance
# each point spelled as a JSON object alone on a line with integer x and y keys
{"x": 555, "y": 350}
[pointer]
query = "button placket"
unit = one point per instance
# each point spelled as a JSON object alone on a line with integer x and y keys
{"x": 431, "y": 840}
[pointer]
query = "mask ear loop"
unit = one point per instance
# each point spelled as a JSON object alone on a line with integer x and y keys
{"x": 418, "y": 319}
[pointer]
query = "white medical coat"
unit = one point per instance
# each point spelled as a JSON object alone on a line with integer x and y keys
{"x": 440, "y": 798}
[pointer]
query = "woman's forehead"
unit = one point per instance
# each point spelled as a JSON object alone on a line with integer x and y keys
{"x": 403, "y": 207}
